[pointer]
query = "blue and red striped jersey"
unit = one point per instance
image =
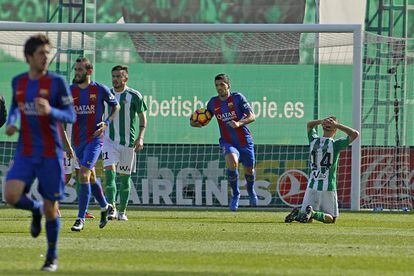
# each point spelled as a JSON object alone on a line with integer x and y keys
{"x": 89, "y": 107}
{"x": 233, "y": 108}
{"x": 40, "y": 135}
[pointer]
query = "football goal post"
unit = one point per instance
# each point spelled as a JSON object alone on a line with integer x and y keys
{"x": 289, "y": 73}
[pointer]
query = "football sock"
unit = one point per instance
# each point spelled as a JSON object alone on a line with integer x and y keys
{"x": 27, "y": 203}
{"x": 83, "y": 198}
{"x": 77, "y": 186}
{"x": 98, "y": 194}
{"x": 52, "y": 233}
{"x": 319, "y": 216}
{"x": 250, "y": 184}
{"x": 300, "y": 216}
{"x": 233, "y": 178}
{"x": 110, "y": 189}
{"x": 124, "y": 192}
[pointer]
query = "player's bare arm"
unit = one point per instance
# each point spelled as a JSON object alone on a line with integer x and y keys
{"x": 352, "y": 133}
{"x": 244, "y": 121}
{"x": 68, "y": 148}
{"x": 139, "y": 142}
{"x": 312, "y": 124}
{"x": 103, "y": 125}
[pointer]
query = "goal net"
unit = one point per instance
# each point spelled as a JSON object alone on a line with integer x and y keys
{"x": 387, "y": 159}
{"x": 289, "y": 74}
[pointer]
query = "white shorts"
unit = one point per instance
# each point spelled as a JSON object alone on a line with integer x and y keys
{"x": 70, "y": 164}
{"x": 325, "y": 201}
{"x": 123, "y": 157}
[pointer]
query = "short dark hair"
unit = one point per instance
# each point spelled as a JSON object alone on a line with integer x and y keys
{"x": 120, "y": 68}
{"x": 34, "y": 42}
{"x": 88, "y": 64}
{"x": 223, "y": 77}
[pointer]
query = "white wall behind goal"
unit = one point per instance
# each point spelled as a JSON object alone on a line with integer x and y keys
{"x": 339, "y": 12}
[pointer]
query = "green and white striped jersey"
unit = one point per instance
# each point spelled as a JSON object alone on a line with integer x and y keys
{"x": 324, "y": 155}
{"x": 124, "y": 129}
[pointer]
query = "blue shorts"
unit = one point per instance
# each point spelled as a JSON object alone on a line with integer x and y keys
{"x": 88, "y": 154}
{"x": 245, "y": 154}
{"x": 47, "y": 170}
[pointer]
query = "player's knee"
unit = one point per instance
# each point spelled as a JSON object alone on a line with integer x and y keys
{"x": 11, "y": 194}
{"x": 50, "y": 211}
{"x": 329, "y": 219}
{"x": 109, "y": 168}
{"x": 232, "y": 166}
{"x": 11, "y": 198}
{"x": 84, "y": 176}
{"x": 249, "y": 170}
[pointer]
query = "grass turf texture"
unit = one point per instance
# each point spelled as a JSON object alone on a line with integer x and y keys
{"x": 183, "y": 242}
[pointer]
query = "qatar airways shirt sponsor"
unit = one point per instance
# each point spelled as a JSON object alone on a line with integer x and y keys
{"x": 27, "y": 108}
{"x": 227, "y": 116}
{"x": 85, "y": 109}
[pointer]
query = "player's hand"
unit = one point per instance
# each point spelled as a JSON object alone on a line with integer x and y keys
{"x": 42, "y": 106}
{"x": 139, "y": 144}
{"x": 101, "y": 128}
{"x": 10, "y": 130}
{"x": 329, "y": 123}
{"x": 234, "y": 124}
{"x": 195, "y": 124}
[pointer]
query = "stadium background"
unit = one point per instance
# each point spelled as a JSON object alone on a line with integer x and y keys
{"x": 159, "y": 162}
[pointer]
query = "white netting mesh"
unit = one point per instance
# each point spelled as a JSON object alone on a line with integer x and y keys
{"x": 174, "y": 71}
{"x": 387, "y": 112}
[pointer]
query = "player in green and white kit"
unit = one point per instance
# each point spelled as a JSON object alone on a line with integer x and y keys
{"x": 122, "y": 140}
{"x": 324, "y": 153}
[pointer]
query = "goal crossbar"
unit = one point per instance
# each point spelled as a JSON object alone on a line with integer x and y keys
{"x": 165, "y": 27}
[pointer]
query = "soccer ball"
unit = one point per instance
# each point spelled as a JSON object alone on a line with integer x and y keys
{"x": 201, "y": 115}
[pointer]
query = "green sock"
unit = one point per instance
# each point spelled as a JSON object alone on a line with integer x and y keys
{"x": 110, "y": 186}
{"x": 124, "y": 192}
{"x": 299, "y": 216}
{"x": 319, "y": 216}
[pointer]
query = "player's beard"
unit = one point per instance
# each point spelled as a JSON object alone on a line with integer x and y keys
{"x": 80, "y": 78}
{"x": 223, "y": 93}
{"x": 119, "y": 85}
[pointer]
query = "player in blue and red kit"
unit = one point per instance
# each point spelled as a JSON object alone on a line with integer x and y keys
{"x": 233, "y": 113}
{"x": 87, "y": 136}
{"x": 41, "y": 99}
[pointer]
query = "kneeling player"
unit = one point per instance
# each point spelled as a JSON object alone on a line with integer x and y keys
{"x": 320, "y": 201}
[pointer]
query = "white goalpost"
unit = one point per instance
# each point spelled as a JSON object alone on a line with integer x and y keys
{"x": 173, "y": 66}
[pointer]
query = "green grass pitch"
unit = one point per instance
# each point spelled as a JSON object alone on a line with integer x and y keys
{"x": 215, "y": 242}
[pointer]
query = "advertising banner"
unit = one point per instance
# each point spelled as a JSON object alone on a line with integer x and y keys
{"x": 189, "y": 175}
